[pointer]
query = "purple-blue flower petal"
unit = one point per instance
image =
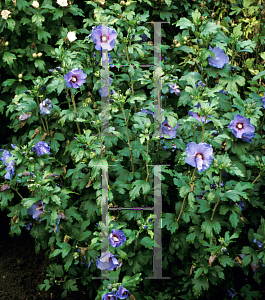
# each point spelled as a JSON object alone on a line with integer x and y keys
{"x": 219, "y": 60}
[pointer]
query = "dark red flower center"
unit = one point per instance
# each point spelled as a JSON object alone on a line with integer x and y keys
{"x": 104, "y": 39}
{"x": 169, "y": 127}
{"x": 74, "y": 79}
{"x": 240, "y": 126}
{"x": 115, "y": 238}
{"x": 199, "y": 155}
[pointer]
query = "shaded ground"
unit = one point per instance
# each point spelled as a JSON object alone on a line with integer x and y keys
{"x": 22, "y": 270}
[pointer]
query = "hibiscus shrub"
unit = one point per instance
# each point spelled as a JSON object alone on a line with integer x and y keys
{"x": 83, "y": 124}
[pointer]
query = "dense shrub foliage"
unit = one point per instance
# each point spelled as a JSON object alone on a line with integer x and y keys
{"x": 211, "y": 142}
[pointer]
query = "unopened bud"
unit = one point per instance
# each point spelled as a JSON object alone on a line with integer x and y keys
{"x": 34, "y": 55}
{"x": 128, "y": 3}
{"x": 122, "y": 3}
{"x": 20, "y": 75}
{"x": 6, "y": 43}
{"x": 185, "y": 38}
{"x": 39, "y": 54}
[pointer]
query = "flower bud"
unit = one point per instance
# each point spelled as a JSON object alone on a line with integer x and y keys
{"x": 20, "y": 75}
{"x": 34, "y": 55}
{"x": 185, "y": 38}
{"x": 122, "y": 2}
{"x": 175, "y": 41}
{"x": 92, "y": 154}
{"x": 178, "y": 45}
{"x": 128, "y": 3}
{"x": 20, "y": 80}
{"x": 6, "y": 43}
{"x": 39, "y": 54}
{"x": 35, "y": 4}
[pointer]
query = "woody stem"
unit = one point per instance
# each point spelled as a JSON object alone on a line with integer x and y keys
{"x": 73, "y": 100}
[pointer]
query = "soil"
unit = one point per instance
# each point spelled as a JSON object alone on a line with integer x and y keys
{"x": 22, "y": 270}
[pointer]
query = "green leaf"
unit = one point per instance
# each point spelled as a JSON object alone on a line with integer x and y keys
{"x": 184, "y": 23}
{"x": 166, "y": 15}
{"x": 225, "y": 260}
{"x": 196, "y": 16}
{"x": 234, "y": 219}
{"x": 209, "y": 28}
{"x": 22, "y": 4}
{"x": 231, "y": 82}
{"x": 56, "y": 199}
{"x": 55, "y": 253}
{"x": 238, "y": 169}
{"x": 58, "y": 13}
{"x": 246, "y": 261}
{"x": 11, "y": 24}
{"x": 233, "y": 195}
{"x": 170, "y": 221}
{"x": 246, "y": 46}
{"x": 147, "y": 242}
{"x": 29, "y": 201}
{"x": 192, "y": 78}
{"x": 43, "y": 35}
{"x": 262, "y": 226}
{"x": 138, "y": 184}
{"x": 57, "y": 270}
{"x": 204, "y": 206}
{"x": 38, "y": 19}
{"x": 129, "y": 282}
{"x": 59, "y": 136}
{"x": 9, "y": 58}
{"x": 8, "y": 82}
{"x": 237, "y": 31}
{"x": 209, "y": 225}
{"x": 255, "y": 78}
{"x": 191, "y": 200}
{"x": 66, "y": 249}
{"x": 191, "y": 237}
{"x": 139, "y": 50}
{"x": 184, "y": 191}
{"x": 40, "y": 64}
{"x": 57, "y": 84}
{"x": 199, "y": 284}
{"x": 69, "y": 213}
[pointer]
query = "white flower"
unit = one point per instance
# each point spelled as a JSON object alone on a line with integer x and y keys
{"x": 35, "y": 4}
{"x": 62, "y": 2}
{"x": 5, "y": 14}
{"x": 71, "y": 36}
